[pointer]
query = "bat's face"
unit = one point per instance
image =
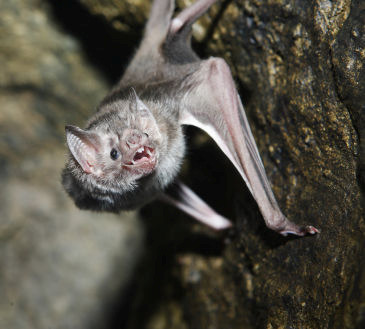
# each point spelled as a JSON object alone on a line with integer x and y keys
{"x": 114, "y": 157}
{"x": 121, "y": 144}
{"x": 126, "y": 154}
{"x": 121, "y": 157}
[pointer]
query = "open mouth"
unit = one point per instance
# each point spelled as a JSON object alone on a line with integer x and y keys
{"x": 144, "y": 153}
{"x": 144, "y": 157}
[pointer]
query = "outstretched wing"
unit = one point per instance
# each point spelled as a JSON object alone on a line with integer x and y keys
{"x": 207, "y": 98}
{"x": 212, "y": 103}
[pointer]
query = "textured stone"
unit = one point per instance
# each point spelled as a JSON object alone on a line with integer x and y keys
{"x": 124, "y": 16}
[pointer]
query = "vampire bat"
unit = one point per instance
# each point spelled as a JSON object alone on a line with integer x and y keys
{"x": 132, "y": 148}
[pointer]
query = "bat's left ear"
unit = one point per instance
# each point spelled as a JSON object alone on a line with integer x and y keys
{"x": 145, "y": 119}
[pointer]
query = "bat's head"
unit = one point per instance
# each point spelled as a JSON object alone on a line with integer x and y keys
{"x": 121, "y": 159}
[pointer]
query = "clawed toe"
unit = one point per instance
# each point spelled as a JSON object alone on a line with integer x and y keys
{"x": 311, "y": 230}
{"x": 300, "y": 231}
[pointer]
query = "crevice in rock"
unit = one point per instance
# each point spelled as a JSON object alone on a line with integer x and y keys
{"x": 107, "y": 49}
{"x": 338, "y": 94}
{"x": 356, "y": 125}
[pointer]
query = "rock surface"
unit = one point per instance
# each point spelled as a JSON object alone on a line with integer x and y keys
{"x": 302, "y": 67}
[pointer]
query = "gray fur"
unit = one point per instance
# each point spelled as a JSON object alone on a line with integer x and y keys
{"x": 117, "y": 189}
{"x": 153, "y": 76}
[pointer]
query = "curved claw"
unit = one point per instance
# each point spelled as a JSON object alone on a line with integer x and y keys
{"x": 301, "y": 231}
{"x": 312, "y": 230}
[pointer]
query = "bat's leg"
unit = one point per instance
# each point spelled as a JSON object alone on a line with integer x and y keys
{"x": 213, "y": 105}
{"x": 160, "y": 17}
{"x": 189, "y": 15}
{"x": 155, "y": 33}
{"x": 177, "y": 47}
{"x": 186, "y": 200}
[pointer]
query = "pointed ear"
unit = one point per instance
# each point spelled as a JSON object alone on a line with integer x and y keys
{"x": 145, "y": 119}
{"x": 84, "y": 146}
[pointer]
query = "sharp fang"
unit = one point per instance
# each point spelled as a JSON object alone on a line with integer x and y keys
{"x": 133, "y": 162}
{"x": 140, "y": 150}
{"x": 149, "y": 152}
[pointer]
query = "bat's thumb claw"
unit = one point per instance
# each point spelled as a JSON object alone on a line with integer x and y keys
{"x": 312, "y": 230}
{"x": 299, "y": 230}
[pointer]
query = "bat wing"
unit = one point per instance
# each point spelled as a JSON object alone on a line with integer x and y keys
{"x": 208, "y": 99}
{"x": 182, "y": 197}
{"x": 212, "y": 103}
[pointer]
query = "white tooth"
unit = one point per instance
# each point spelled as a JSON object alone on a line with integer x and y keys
{"x": 133, "y": 162}
{"x": 140, "y": 150}
{"x": 149, "y": 152}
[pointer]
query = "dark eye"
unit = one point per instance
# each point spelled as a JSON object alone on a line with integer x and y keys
{"x": 114, "y": 154}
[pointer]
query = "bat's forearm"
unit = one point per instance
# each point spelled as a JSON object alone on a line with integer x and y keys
{"x": 226, "y": 122}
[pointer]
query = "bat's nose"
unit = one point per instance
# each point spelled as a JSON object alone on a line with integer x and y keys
{"x": 133, "y": 138}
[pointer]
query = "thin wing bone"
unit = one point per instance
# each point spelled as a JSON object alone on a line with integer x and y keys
{"x": 182, "y": 197}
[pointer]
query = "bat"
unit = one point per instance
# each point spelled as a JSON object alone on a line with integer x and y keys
{"x": 132, "y": 148}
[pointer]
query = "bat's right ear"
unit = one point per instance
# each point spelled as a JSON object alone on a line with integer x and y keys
{"x": 83, "y": 146}
{"x": 146, "y": 121}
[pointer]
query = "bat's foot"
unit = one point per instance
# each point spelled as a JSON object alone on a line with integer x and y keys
{"x": 299, "y": 230}
{"x": 279, "y": 223}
